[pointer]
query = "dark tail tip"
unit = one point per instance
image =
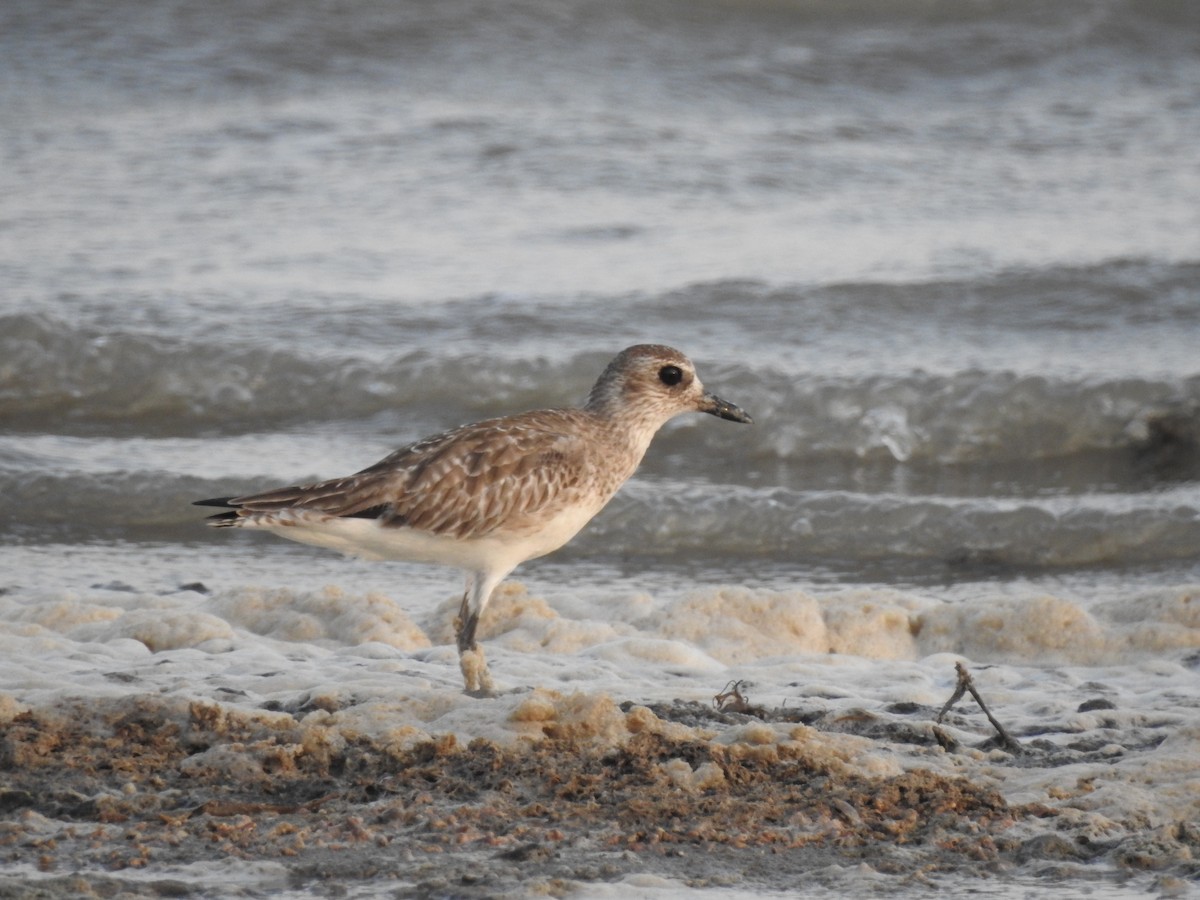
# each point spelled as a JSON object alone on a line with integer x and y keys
{"x": 215, "y": 501}
{"x": 221, "y": 519}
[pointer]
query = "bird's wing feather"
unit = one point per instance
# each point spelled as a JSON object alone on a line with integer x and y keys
{"x": 463, "y": 483}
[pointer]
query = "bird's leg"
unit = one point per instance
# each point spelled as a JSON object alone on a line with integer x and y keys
{"x": 471, "y": 661}
{"x": 466, "y": 623}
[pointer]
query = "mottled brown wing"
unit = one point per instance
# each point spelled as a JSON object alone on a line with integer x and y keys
{"x": 464, "y": 483}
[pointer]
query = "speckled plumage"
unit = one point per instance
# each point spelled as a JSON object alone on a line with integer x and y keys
{"x": 486, "y": 497}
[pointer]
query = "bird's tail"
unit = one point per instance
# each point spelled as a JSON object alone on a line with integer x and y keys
{"x": 221, "y": 519}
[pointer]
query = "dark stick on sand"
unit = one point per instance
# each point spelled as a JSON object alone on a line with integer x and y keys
{"x": 964, "y": 685}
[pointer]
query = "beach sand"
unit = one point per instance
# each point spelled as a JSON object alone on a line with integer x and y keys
{"x": 154, "y": 796}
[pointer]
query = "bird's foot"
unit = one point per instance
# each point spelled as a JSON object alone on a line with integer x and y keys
{"x": 475, "y": 672}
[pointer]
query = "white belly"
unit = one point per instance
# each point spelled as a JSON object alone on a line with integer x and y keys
{"x": 367, "y": 539}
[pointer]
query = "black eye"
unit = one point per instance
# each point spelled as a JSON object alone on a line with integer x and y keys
{"x": 670, "y": 375}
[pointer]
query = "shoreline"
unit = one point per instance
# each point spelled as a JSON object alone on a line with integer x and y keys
{"x": 593, "y": 792}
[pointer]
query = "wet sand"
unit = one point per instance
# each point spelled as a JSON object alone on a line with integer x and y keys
{"x": 711, "y": 798}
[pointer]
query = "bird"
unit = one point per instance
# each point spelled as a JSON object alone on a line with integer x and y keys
{"x": 485, "y": 497}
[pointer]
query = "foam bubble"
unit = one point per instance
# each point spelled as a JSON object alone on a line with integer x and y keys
{"x": 163, "y": 630}
{"x": 735, "y": 625}
{"x": 572, "y": 717}
{"x": 518, "y": 621}
{"x": 872, "y": 623}
{"x": 634, "y": 653}
{"x": 1014, "y": 628}
{"x": 706, "y": 776}
{"x": 63, "y": 614}
{"x": 10, "y": 708}
{"x": 327, "y": 616}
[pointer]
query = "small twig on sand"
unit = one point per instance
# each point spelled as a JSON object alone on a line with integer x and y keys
{"x": 733, "y": 700}
{"x": 964, "y": 685}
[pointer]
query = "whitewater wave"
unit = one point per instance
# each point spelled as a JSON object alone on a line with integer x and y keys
{"x": 656, "y": 520}
{"x": 67, "y": 380}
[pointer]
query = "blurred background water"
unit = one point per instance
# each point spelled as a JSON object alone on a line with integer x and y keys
{"x": 946, "y": 253}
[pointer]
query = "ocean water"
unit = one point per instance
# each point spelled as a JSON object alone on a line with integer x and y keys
{"x": 946, "y": 254}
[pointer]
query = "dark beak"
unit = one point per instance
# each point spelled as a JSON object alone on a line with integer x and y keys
{"x": 715, "y": 406}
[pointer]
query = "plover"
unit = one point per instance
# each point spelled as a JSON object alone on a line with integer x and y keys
{"x": 488, "y": 496}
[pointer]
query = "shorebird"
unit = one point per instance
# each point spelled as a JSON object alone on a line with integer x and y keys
{"x": 488, "y": 496}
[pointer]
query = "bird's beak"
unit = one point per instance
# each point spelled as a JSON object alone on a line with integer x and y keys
{"x": 722, "y": 409}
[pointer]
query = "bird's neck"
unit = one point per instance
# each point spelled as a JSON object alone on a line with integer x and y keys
{"x": 629, "y": 429}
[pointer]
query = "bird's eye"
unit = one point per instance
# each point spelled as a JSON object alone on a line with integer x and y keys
{"x": 670, "y": 375}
